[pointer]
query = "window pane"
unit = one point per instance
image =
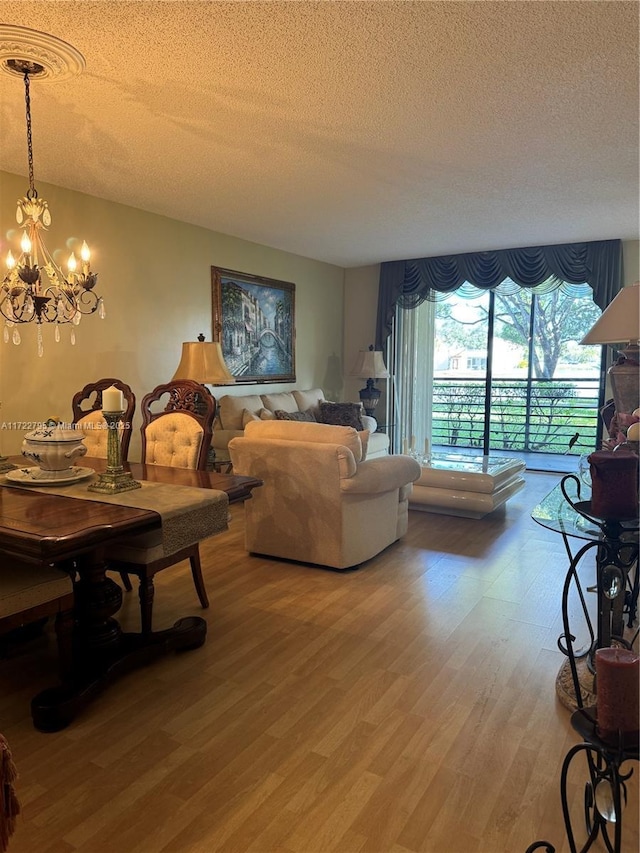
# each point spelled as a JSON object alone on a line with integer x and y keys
{"x": 561, "y": 321}
{"x": 460, "y": 366}
{"x": 511, "y": 334}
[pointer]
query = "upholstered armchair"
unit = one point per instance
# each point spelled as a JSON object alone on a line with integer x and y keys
{"x": 319, "y": 502}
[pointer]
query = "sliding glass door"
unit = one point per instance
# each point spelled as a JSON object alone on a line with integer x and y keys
{"x": 500, "y": 371}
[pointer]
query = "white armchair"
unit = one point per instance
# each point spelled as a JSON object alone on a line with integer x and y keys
{"x": 319, "y": 503}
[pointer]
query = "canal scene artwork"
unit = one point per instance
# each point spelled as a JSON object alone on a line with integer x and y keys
{"x": 254, "y": 320}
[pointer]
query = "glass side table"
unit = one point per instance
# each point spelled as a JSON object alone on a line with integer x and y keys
{"x": 566, "y": 510}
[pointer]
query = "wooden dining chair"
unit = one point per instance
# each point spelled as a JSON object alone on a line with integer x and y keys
{"x": 87, "y": 415}
{"x": 176, "y": 432}
{"x": 29, "y": 593}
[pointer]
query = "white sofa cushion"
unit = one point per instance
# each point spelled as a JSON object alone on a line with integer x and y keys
{"x": 247, "y": 416}
{"x": 284, "y": 401}
{"x": 309, "y": 400}
{"x": 230, "y": 409}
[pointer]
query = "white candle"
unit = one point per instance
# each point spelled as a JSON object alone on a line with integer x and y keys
{"x": 404, "y": 446}
{"x": 112, "y": 400}
{"x": 426, "y": 447}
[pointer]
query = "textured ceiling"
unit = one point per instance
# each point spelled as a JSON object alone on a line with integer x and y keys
{"x": 350, "y": 132}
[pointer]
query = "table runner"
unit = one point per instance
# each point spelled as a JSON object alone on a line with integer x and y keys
{"x": 188, "y": 514}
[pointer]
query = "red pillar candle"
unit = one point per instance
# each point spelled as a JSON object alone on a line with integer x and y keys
{"x": 618, "y": 695}
{"x": 614, "y": 484}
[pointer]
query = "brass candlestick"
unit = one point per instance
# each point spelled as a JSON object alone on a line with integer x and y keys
{"x": 115, "y": 479}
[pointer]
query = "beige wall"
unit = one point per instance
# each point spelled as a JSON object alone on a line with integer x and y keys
{"x": 360, "y": 310}
{"x": 154, "y": 275}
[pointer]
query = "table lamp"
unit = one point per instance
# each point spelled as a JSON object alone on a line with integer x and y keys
{"x": 203, "y": 362}
{"x": 620, "y": 324}
{"x": 370, "y": 366}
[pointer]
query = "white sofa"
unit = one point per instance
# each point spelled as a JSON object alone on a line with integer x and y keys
{"x": 236, "y": 411}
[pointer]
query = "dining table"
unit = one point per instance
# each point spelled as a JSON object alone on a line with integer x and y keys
{"x": 71, "y": 529}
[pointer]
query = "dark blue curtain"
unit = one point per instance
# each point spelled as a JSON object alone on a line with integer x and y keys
{"x": 597, "y": 263}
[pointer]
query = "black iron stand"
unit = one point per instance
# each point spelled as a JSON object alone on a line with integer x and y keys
{"x": 616, "y": 556}
{"x": 605, "y": 792}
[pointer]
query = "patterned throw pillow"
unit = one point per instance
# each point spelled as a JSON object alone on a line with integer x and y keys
{"x": 281, "y": 415}
{"x": 341, "y": 414}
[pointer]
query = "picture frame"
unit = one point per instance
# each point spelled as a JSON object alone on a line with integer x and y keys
{"x": 254, "y": 321}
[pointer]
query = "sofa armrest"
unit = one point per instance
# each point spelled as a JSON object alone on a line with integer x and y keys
{"x": 221, "y": 438}
{"x": 382, "y": 475}
{"x": 369, "y": 423}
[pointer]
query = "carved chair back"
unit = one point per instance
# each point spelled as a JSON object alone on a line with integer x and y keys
{"x": 87, "y": 413}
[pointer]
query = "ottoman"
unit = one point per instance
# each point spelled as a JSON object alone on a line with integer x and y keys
{"x": 468, "y": 486}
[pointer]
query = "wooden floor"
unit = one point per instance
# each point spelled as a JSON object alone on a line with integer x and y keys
{"x": 408, "y": 706}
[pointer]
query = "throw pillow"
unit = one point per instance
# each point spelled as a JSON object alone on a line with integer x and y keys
{"x": 294, "y": 416}
{"x": 341, "y": 414}
{"x": 266, "y": 415}
{"x": 248, "y": 416}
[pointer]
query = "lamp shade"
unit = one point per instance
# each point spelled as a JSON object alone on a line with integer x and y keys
{"x": 370, "y": 365}
{"x": 620, "y": 321}
{"x": 620, "y": 324}
{"x": 203, "y": 362}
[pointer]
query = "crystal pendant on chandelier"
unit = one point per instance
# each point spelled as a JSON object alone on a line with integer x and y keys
{"x": 35, "y": 288}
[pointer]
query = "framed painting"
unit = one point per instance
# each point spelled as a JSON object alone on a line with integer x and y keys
{"x": 254, "y": 321}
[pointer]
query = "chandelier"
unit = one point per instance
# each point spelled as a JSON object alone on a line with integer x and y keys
{"x": 35, "y": 288}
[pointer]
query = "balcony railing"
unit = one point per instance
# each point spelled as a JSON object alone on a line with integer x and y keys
{"x": 529, "y": 415}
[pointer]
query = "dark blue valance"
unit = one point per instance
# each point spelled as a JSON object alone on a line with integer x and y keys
{"x": 597, "y": 263}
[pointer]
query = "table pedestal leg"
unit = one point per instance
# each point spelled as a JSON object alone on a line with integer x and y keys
{"x": 102, "y": 651}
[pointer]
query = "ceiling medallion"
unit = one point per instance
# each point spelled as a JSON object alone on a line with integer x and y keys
{"x": 55, "y": 57}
